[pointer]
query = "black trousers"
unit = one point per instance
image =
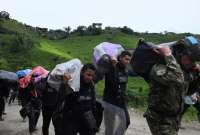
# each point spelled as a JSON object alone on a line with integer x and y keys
{"x": 75, "y": 123}
{"x": 12, "y": 97}
{"x": 2, "y": 106}
{"x": 33, "y": 116}
{"x": 47, "y": 113}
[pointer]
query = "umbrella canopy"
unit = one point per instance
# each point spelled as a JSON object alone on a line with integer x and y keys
{"x": 39, "y": 71}
{"x": 8, "y": 76}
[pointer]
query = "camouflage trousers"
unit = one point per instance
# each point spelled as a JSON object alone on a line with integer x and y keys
{"x": 162, "y": 125}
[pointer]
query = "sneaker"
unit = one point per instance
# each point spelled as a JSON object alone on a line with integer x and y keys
{"x": 1, "y": 119}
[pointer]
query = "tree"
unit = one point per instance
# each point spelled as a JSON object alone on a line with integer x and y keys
{"x": 94, "y": 29}
{"x": 127, "y": 30}
{"x": 81, "y": 30}
{"x": 68, "y": 30}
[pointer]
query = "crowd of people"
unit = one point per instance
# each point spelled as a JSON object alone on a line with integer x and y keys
{"x": 171, "y": 78}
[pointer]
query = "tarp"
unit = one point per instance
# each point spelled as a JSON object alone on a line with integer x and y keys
{"x": 114, "y": 120}
{"x": 40, "y": 71}
{"x": 72, "y": 67}
{"x": 8, "y": 76}
{"x": 113, "y": 50}
{"x": 169, "y": 44}
{"x": 192, "y": 40}
{"x": 22, "y": 73}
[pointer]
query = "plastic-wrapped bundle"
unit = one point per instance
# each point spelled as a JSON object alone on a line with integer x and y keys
{"x": 72, "y": 67}
{"x": 8, "y": 76}
{"x": 113, "y": 50}
{"x": 39, "y": 71}
{"x": 192, "y": 99}
{"x": 114, "y": 120}
{"x": 22, "y": 73}
{"x": 145, "y": 57}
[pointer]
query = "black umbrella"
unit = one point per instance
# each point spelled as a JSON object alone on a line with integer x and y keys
{"x": 8, "y": 76}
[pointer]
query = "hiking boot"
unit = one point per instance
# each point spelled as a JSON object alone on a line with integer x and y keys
{"x": 1, "y": 119}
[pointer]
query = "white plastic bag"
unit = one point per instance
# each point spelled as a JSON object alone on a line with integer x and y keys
{"x": 113, "y": 50}
{"x": 72, "y": 67}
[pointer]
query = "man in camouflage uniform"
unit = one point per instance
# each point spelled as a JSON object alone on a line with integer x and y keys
{"x": 169, "y": 84}
{"x": 193, "y": 78}
{"x": 187, "y": 52}
{"x": 167, "y": 88}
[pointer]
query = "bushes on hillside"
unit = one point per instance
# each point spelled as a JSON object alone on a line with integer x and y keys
{"x": 57, "y": 34}
{"x": 94, "y": 29}
{"x": 126, "y": 30}
{"x": 21, "y": 43}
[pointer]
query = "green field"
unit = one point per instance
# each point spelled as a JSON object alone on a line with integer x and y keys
{"x": 48, "y": 53}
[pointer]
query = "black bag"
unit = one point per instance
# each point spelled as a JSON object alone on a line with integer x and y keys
{"x": 144, "y": 57}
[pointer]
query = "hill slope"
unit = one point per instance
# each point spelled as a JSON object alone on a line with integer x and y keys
{"x": 22, "y": 47}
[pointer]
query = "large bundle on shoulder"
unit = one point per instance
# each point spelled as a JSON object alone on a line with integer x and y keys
{"x": 72, "y": 67}
{"x": 23, "y": 73}
{"x": 8, "y": 76}
{"x": 104, "y": 52}
{"x": 38, "y": 71}
{"x": 188, "y": 45}
{"x": 144, "y": 57}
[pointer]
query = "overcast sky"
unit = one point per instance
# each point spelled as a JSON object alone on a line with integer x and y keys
{"x": 140, "y": 15}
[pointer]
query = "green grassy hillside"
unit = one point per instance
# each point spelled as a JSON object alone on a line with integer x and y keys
{"x": 21, "y": 47}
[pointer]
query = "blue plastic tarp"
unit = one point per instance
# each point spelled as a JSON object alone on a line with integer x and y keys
{"x": 192, "y": 40}
{"x": 22, "y": 73}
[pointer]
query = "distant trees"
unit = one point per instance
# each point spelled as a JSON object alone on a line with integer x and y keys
{"x": 67, "y": 30}
{"x": 4, "y": 14}
{"x": 57, "y": 34}
{"x": 81, "y": 30}
{"x": 126, "y": 30}
{"x": 94, "y": 29}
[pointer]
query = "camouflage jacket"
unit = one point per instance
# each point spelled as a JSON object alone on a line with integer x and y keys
{"x": 167, "y": 88}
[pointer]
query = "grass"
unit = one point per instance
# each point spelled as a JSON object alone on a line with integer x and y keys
{"x": 190, "y": 115}
{"x": 48, "y": 53}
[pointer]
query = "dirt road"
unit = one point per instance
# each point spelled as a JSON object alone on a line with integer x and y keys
{"x": 13, "y": 125}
